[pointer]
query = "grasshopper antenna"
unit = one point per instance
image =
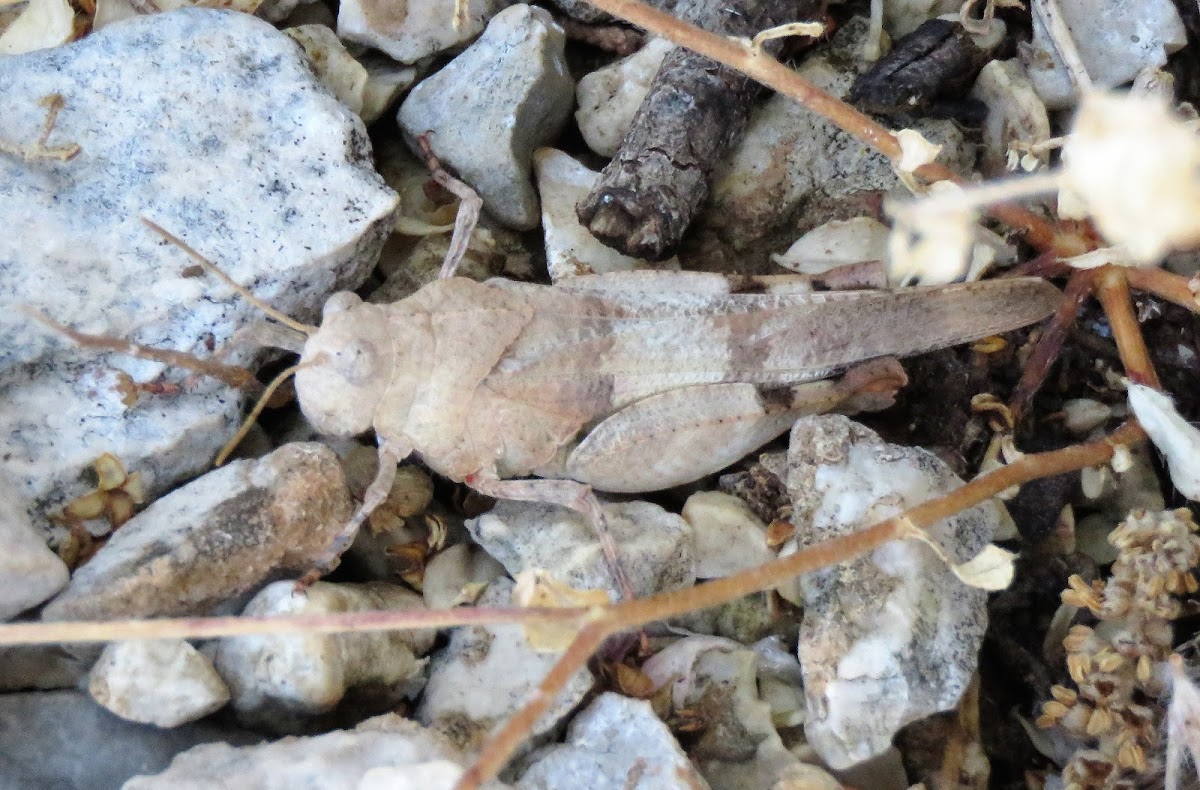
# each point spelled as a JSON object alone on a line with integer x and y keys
{"x": 263, "y": 400}
{"x": 211, "y": 268}
{"x": 232, "y": 375}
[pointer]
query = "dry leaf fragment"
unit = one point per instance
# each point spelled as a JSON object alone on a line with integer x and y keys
{"x": 43, "y": 24}
{"x": 990, "y": 569}
{"x": 538, "y": 588}
{"x": 1174, "y": 436}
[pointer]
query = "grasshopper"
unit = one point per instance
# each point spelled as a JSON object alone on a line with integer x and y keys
{"x": 624, "y": 383}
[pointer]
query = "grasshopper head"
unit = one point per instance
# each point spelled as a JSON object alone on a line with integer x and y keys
{"x": 346, "y": 366}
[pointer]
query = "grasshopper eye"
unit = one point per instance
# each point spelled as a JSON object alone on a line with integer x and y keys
{"x": 356, "y": 362}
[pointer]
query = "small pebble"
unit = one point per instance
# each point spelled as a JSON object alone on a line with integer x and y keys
{"x": 655, "y": 546}
{"x": 616, "y": 743}
{"x": 164, "y": 682}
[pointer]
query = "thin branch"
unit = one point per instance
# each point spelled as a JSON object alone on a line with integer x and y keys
{"x": 1167, "y": 285}
{"x": 1037, "y": 367}
{"x": 41, "y": 633}
{"x": 1112, "y": 289}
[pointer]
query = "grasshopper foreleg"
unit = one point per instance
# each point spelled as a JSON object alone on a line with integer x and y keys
{"x": 568, "y": 494}
{"x": 390, "y": 456}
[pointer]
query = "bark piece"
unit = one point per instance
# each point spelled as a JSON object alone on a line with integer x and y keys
{"x": 695, "y": 111}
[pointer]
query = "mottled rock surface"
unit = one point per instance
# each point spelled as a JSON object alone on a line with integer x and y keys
{"x": 486, "y": 674}
{"x": 655, "y": 546}
{"x": 893, "y": 636}
{"x": 616, "y": 743}
{"x": 409, "y": 30}
{"x": 511, "y": 89}
{"x": 215, "y": 539}
{"x": 339, "y": 760}
{"x": 609, "y": 97}
{"x": 793, "y": 165}
{"x": 233, "y": 145}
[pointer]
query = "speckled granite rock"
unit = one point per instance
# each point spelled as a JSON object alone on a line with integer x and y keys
{"x": 211, "y": 124}
{"x": 215, "y": 539}
{"x": 893, "y": 636}
{"x": 510, "y": 88}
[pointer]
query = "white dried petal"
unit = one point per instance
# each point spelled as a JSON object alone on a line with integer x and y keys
{"x": 1092, "y": 480}
{"x": 1136, "y": 166}
{"x": 43, "y": 24}
{"x": 1118, "y": 255}
{"x": 836, "y": 243}
{"x": 1122, "y": 460}
{"x": 990, "y": 569}
{"x": 1083, "y": 415}
{"x": 1174, "y": 436}
{"x": 915, "y": 151}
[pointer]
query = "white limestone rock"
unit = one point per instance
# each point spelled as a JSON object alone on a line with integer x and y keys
{"x": 616, "y": 743}
{"x": 893, "y": 636}
{"x": 486, "y": 674}
{"x": 217, "y": 538}
{"x": 29, "y": 572}
{"x": 727, "y": 536}
{"x": 278, "y": 680}
{"x": 655, "y": 545}
{"x": 609, "y": 97}
{"x": 211, "y": 124}
{"x": 408, "y": 30}
{"x": 571, "y": 249}
{"x": 379, "y": 752}
{"x": 791, "y": 163}
{"x": 511, "y": 90}
{"x": 164, "y": 682}
{"x": 1115, "y": 38}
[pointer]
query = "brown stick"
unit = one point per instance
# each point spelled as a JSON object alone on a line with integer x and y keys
{"x": 1038, "y": 231}
{"x": 694, "y": 113}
